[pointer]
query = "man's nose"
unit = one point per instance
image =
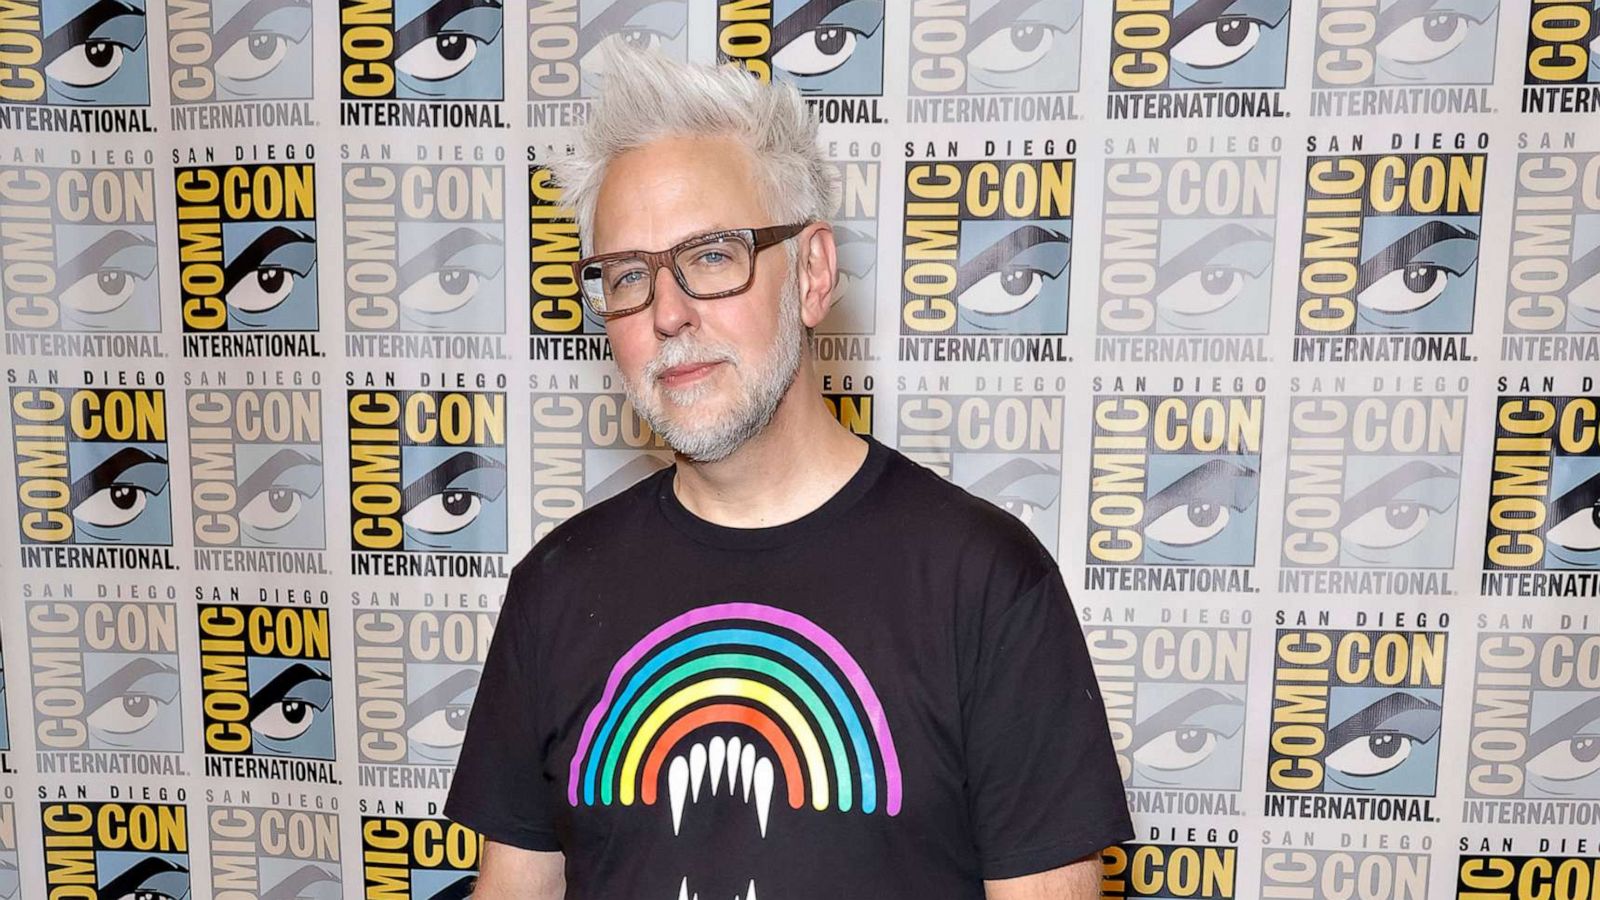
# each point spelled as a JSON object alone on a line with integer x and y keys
{"x": 672, "y": 309}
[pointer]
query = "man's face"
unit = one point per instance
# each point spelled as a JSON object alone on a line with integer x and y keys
{"x": 703, "y": 372}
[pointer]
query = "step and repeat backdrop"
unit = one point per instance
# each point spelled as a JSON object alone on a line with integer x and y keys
{"x": 1279, "y": 323}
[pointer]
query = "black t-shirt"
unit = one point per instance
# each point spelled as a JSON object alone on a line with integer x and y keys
{"x": 888, "y": 697}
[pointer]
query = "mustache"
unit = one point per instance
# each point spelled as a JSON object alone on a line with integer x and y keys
{"x": 684, "y": 350}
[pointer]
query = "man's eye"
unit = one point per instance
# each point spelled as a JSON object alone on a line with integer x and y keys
{"x": 1014, "y": 48}
{"x": 113, "y": 506}
{"x": 261, "y": 290}
{"x": 1407, "y": 288}
{"x": 1004, "y": 291}
{"x": 1220, "y": 43}
{"x": 272, "y": 509}
{"x": 818, "y": 51}
{"x": 1425, "y": 38}
{"x": 1579, "y": 531}
{"x": 253, "y": 56}
{"x": 1178, "y": 748}
{"x": 285, "y": 720}
{"x": 1189, "y": 523}
{"x": 125, "y": 714}
{"x": 445, "y": 512}
{"x": 1371, "y": 754}
{"x": 88, "y": 64}
{"x": 100, "y": 292}
{"x": 442, "y": 56}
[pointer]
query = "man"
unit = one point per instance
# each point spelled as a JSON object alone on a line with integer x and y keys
{"x": 795, "y": 664}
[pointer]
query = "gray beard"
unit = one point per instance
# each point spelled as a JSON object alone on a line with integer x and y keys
{"x": 759, "y": 392}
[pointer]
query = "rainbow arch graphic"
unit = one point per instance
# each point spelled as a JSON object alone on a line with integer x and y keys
{"x": 752, "y": 665}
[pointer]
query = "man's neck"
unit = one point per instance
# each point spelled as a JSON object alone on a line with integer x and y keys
{"x": 802, "y": 458}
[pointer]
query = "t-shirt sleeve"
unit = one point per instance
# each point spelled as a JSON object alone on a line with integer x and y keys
{"x": 499, "y": 789}
{"x": 1042, "y": 778}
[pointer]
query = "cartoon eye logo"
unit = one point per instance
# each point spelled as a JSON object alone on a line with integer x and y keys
{"x": 1568, "y": 760}
{"x": 90, "y": 49}
{"x": 1186, "y": 732}
{"x": 89, "y": 64}
{"x": 1010, "y": 273}
{"x": 255, "y": 42}
{"x": 125, "y": 702}
{"x": 1415, "y": 270}
{"x": 101, "y": 278}
{"x": 1015, "y": 47}
{"x": 263, "y": 275}
{"x": 442, "y": 42}
{"x": 818, "y": 51}
{"x": 1020, "y": 486}
{"x": 447, "y": 274}
{"x": 1577, "y": 517}
{"x": 1425, "y": 38}
{"x": 288, "y": 705}
{"x": 116, "y": 491}
{"x": 1198, "y": 506}
{"x": 273, "y": 496}
{"x": 1213, "y": 271}
{"x": 440, "y": 715}
{"x": 1381, "y": 737}
{"x": 1396, "y": 508}
{"x": 1222, "y": 42}
{"x": 1584, "y": 296}
{"x": 151, "y": 878}
{"x": 451, "y": 496}
{"x": 857, "y": 256}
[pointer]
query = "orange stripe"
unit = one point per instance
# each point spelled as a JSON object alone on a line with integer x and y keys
{"x": 738, "y": 715}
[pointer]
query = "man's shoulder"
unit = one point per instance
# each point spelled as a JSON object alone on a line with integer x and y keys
{"x": 594, "y": 530}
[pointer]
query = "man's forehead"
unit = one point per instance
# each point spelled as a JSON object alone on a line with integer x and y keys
{"x": 664, "y": 194}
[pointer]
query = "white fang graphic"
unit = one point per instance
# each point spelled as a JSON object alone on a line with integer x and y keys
{"x": 683, "y": 891}
{"x": 747, "y": 762}
{"x": 697, "y": 770}
{"x": 686, "y": 773}
{"x": 677, "y": 781}
{"x": 763, "y": 791}
{"x": 733, "y": 763}
{"x": 719, "y": 752}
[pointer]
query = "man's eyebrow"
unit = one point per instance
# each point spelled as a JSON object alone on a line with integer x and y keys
{"x": 95, "y": 255}
{"x": 79, "y": 28}
{"x": 804, "y": 19}
{"x": 244, "y": 21}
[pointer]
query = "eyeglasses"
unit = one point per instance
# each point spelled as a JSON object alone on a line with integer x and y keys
{"x": 706, "y": 266}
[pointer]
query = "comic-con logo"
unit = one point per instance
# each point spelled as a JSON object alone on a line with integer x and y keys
{"x": 418, "y": 859}
{"x": 1169, "y": 870}
{"x": 1544, "y": 497}
{"x": 247, "y": 259}
{"x": 424, "y": 256}
{"x": 427, "y": 481}
{"x": 1389, "y": 254}
{"x": 985, "y": 258}
{"x": 106, "y": 682}
{"x": 855, "y": 234}
{"x": 827, "y": 48}
{"x": 994, "y": 61}
{"x": 1355, "y": 723}
{"x": 1534, "y": 744}
{"x": 560, "y": 325}
{"x": 1374, "y": 483}
{"x": 1005, "y": 449}
{"x": 416, "y": 676}
{"x": 1186, "y": 255}
{"x": 564, "y": 55}
{"x": 421, "y": 49}
{"x": 255, "y": 478}
{"x": 1175, "y": 699}
{"x": 264, "y": 853}
{"x": 1173, "y": 486}
{"x": 267, "y": 692}
{"x": 1190, "y": 58}
{"x": 10, "y": 874}
{"x": 1547, "y": 876}
{"x": 115, "y": 849}
{"x": 78, "y": 254}
{"x": 91, "y": 468}
{"x": 1307, "y": 871}
{"x": 1553, "y": 280}
{"x": 1388, "y": 43}
{"x": 239, "y": 51}
{"x": 74, "y": 53}
{"x": 587, "y": 447}
{"x": 1562, "y": 73}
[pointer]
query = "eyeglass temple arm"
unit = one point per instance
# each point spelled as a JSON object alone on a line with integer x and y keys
{"x": 764, "y": 237}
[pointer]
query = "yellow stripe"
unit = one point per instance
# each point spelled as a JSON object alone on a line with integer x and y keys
{"x": 740, "y": 688}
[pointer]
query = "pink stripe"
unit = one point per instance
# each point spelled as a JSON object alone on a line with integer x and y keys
{"x": 761, "y": 613}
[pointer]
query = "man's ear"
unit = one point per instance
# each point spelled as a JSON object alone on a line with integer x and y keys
{"x": 818, "y": 263}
